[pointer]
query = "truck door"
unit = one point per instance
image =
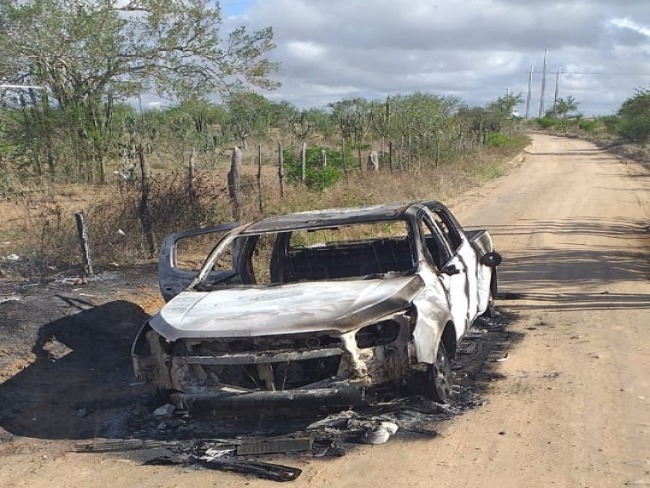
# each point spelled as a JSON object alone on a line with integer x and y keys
{"x": 461, "y": 247}
{"x": 175, "y": 276}
{"x": 451, "y": 271}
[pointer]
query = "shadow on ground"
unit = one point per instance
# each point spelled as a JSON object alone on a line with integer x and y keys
{"x": 80, "y": 383}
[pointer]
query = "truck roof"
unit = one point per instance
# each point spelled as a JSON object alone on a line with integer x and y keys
{"x": 334, "y": 217}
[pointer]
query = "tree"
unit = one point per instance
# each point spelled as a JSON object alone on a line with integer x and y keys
{"x": 248, "y": 115}
{"x": 427, "y": 120}
{"x": 495, "y": 117}
{"x": 353, "y": 117}
{"x": 634, "y": 117}
{"x": 280, "y": 114}
{"x": 566, "y": 107}
{"x": 87, "y": 54}
{"x": 505, "y": 106}
{"x": 323, "y": 122}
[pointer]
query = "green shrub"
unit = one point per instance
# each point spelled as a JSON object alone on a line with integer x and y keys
{"x": 634, "y": 118}
{"x": 317, "y": 177}
{"x": 610, "y": 122}
{"x": 588, "y": 125}
{"x": 547, "y": 122}
{"x": 498, "y": 139}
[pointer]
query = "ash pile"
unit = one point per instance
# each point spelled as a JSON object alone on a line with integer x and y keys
{"x": 171, "y": 437}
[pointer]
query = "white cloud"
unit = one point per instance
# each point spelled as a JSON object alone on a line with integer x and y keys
{"x": 307, "y": 51}
{"x": 475, "y": 49}
{"x": 626, "y": 23}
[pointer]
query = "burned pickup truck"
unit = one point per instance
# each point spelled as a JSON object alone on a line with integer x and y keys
{"x": 338, "y": 307}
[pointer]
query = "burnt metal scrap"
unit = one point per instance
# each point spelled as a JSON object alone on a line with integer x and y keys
{"x": 331, "y": 436}
{"x": 269, "y": 471}
{"x": 333, "y": 308}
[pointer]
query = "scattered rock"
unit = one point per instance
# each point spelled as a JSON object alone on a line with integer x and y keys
{"x": 166, "y": 411}
{"x": 380, "y": 433}
{"x": 552, "y": 375}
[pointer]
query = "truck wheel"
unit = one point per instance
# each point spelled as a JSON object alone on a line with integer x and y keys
{"x": 491, "y": 311}
{"x": 438, "y": 379}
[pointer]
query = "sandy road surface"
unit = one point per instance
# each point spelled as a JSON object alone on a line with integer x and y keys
{"x": 572, "y": 405}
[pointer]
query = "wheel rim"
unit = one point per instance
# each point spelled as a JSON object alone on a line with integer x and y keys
{"x": 442, "y": 374}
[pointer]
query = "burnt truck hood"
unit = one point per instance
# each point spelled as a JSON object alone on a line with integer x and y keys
{"x": 308, "y": 307}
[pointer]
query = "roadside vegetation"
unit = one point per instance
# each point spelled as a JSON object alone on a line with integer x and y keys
{"x": 626, "y": 133}
{"x": 188, "y": 152}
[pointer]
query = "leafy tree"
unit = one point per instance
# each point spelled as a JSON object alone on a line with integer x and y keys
{"x": 323, "y": 122}
{"x": 495, "y": 117}
{"x": 190, "y": 124}
{"x": 634, "y": 117}
{"x": 88, "y": 54}
{"x": 505, "y": 106}
{"x": 381, "y": 116}
{"x": 281, "y": 114}
{"x": 566, "y": 107}
{"x": 248, "y": 115}
{"x": 353, "y": 118}
{"x": 427, "y": 117}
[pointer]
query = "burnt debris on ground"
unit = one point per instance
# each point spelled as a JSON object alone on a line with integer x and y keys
{"x": 162, "y": 435}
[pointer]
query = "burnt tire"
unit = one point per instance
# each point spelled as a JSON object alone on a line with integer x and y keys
{"x": 438, "y": 379}
{"x": 491, "y": 311}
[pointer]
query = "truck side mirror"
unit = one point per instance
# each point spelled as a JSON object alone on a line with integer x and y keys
{"x": 491, "y": 259}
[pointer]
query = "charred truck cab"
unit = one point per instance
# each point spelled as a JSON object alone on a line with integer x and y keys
{"x": 336, "y": 307}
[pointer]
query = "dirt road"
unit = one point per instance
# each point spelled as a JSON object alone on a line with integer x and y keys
{"x": 570, "y": 407}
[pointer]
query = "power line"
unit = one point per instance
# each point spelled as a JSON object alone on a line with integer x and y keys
{"x": 600, "y": 73}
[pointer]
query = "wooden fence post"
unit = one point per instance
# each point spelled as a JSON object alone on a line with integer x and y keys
{"x": 82, "y": 232}
{"x": 191, "y": 178}
{"x": 373, "y": 162}
{"x": 281, "y": 169}
{"x": 234, "y": 184}
{"x": 303, "y": 159}
{"x": 259, "y": 178}
{"x": 345, "y": 166}
{"x": 145, "y": 214}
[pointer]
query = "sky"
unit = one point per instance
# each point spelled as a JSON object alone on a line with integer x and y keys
{"x": 477, "y": 50}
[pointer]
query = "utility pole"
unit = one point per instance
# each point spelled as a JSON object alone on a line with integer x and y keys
{"x": 541, "y": 97}
{"x": 557, "y": 89}
{"x": 530, "y": 92}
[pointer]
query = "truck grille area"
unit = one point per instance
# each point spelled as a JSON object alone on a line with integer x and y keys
{"x": 260, "y": 363}
{"x": 295, "y": 342}
{"x": 285, "y": 376}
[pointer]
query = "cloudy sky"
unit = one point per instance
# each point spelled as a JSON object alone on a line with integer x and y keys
{"x": 474, "y": 49}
